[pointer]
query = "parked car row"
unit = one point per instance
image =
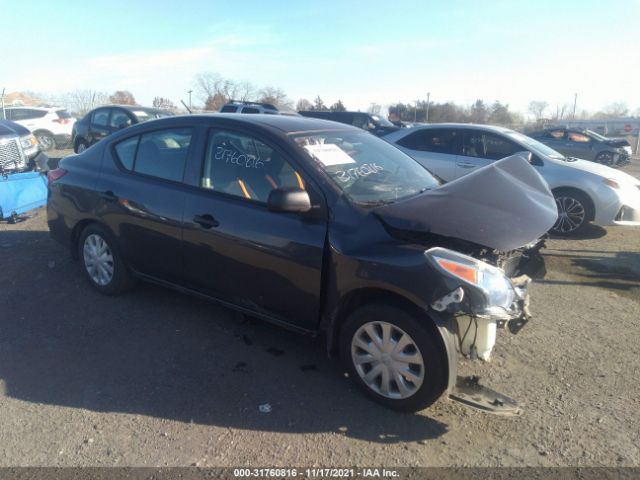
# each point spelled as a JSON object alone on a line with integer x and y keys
{"x": 51, "y": 126}
{"x": 584, "y": 191}
{"x": 403, "y": 251}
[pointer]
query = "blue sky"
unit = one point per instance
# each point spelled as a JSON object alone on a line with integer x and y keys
{"x": 358, "y": 51}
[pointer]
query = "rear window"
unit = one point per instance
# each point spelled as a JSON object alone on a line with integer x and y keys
{"x": 229, "y": 109}
{"x": 160, "y": 154}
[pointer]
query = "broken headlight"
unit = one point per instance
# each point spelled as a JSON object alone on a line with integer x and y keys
{"x": 494, "y": 285}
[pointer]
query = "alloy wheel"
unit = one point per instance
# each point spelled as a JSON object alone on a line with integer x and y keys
{"x": 98, "y": 260}
{"x": 571, "y": 215}
{"x": 46, "y": 142}
{"x": 387, "y": 360}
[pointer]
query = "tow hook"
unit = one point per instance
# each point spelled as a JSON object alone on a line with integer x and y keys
{"x": 469, "y": 392}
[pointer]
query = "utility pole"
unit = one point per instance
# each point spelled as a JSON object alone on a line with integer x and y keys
{"x": 189, "y": 92}
{"x": 415, "y": 112}
{"x": 427, "y": 113}
{"x": 575, "y": 101}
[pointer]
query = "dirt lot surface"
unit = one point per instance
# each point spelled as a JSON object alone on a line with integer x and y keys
{"x": 158, "y": 378}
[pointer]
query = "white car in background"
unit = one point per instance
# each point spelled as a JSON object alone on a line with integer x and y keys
{"x": 51, "y": 126}
{"x": 584, "y": 191}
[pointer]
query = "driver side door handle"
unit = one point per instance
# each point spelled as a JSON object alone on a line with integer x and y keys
{"x": 466, "y": 165}
{"x": 206, "y": 221}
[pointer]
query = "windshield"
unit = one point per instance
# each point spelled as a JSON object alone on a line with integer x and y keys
{"x": 381, "y": 121}
{"x": 369, "y": 170}
{"x": 539, "y": 147}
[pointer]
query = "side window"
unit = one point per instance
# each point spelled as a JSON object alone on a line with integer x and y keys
{"x": 119, "y": 119}
{"x": 100, "y": 117}
{"x": 17, "y": 114}
{"x": 126, "y": 151}
{"x": 241, "y": 165}
{"x": 250, "y": 110}
{"x": 554, "y": 134}
{"x": 489, "y": 146}
{"x": 578, "y": 137}
{"x": 437, "y": 141}
{"x": 161, "y": 154}
{"x": 36, "y": 113}
{"x": 229, "y": 109}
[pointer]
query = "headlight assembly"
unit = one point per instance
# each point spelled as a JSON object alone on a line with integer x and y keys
{"x": 496, "y": 288}
{"x": 28, "y": 141}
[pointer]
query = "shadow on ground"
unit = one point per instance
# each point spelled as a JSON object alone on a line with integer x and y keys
{"x": 163, "y": 354}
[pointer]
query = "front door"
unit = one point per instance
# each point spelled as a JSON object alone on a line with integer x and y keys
{"x": 235, "y": 249}
{"x": 480, "y": 148}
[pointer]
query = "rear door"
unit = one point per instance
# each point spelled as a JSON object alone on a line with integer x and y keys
{"x": 480, "y": 148}
{"x": 99, "y": 125}
{"x": 142, "y": 199}
{"x": 435, "y": 148}
{"x": 235, "y": 249}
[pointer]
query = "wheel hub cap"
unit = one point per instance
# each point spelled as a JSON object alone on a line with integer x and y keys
{"x": 387, "y": 359}
{"x": 571, "y": 214}
{"x": 98, "y": 259}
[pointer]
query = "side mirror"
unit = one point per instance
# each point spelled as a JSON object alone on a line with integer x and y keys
{"x": 288, "y": 199}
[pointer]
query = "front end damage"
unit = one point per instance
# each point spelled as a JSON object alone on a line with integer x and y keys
{"x": 488, "y": 300}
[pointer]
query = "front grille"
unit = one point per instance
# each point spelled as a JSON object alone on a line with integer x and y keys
{"x": 11, "y": 156}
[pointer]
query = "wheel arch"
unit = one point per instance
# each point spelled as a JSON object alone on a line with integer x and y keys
{"x": 442, "y": 327}
{"x": 591, "y": 205}
{"x": 76, "y": 232}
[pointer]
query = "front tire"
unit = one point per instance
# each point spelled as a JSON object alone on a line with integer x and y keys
{"x": 101, "y": 261}
{"x": 574, "y": 212}
{"x": 605, "y": 158}
{"x": 394, "y": 357}
{"x": 81, "y": 146}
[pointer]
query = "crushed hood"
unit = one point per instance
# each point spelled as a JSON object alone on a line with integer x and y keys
{"x": 504, "y": 206}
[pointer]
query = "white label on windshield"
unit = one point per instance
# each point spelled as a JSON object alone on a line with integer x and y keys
{"x": 329, "y": 154}
{"x": 140, "y": 114}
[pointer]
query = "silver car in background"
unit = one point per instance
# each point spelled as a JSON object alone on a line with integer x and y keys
{"x": 584, "y": 191}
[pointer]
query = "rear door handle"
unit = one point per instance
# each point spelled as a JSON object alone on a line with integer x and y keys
{"x": 109, "y": 196}
{"x": 465, "y": 165}
{"x": 206, "y": 221}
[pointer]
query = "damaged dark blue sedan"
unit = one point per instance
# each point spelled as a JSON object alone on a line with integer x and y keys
{"x": 318, "y": 227}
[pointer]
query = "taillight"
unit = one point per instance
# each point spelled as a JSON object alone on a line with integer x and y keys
{"x": 61, "y": 121}
{"x": 56, "y": 174}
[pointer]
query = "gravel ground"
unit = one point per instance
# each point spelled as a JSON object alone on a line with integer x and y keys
{"x": 157, "y": 378}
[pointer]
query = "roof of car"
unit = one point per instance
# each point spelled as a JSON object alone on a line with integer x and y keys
{"x": 470, "y": 126}
{"x": 285, "y": 123}
{"x": 134, "y": 108}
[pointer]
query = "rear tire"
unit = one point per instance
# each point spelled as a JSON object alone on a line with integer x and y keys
{"x": 102, "y": 262}
{"x": 574, "y": 212}
{"x": 404, "y": 367}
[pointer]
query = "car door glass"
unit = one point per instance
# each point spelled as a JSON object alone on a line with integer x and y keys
{"x": 554, "y": 134}
{"x": 100, "y": 118}
{"x": 161, "y": 154}
{"x": 437, "y": 141}
{"x": 119, "y": 119}
{"x": 241, "y": 165}
{"x": 576, "y": 137}
{"x": 488, "y": 146}
{"x": 250, "y": 110}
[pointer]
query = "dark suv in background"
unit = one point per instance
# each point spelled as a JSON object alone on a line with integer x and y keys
{"x": 375, "y": 124}
{"x": 103, "y": 121}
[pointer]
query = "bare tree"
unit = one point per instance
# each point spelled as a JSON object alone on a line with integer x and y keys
{"x": 616, "y": 109}
{"x": 164, "y": 104}
{"x": 277, "y": 97}
{"x": 318, "y": 105}
{"x": 122, "y": 97}
{"x": 537, "y": 108}
{"x": 304, "y": 105}
{"x": 338, "y": 107}
{"x": 81, "y": 101}
{"x": 374, "y": 108}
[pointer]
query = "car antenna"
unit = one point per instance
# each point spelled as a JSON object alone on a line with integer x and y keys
{"x": 185, "y": 106}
